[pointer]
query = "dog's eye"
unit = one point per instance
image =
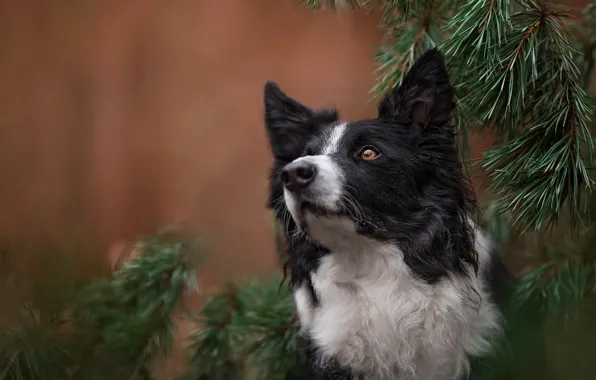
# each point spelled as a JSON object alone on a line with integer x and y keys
{"x": 368, "y": 153}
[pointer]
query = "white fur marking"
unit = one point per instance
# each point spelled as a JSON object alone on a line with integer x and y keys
{"x": 375, "y": 316}
{"x": 332, "y": 143}
{"x": 304, "y": 306}
{"x": 325, "y": 191}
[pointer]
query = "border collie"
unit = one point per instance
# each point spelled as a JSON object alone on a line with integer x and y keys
{"x": 390, "y": 273}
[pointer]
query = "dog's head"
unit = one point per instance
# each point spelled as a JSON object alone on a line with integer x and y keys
{"x": 396, "y": 178}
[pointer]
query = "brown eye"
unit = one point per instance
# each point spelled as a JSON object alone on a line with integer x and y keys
{"x": 368, "y": 154}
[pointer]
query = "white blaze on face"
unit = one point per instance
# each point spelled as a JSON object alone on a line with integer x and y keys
{"x": 332, "y": 141}
{"x": 326, "y": 190}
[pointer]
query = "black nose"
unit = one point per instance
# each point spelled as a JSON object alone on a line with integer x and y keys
{"x": 298, "y": 175}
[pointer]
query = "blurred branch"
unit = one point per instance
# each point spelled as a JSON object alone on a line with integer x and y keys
{"x": 249, "y": 324}
{"x": 109, "y": 327}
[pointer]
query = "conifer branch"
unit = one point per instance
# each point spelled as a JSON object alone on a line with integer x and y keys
{"x": 270, "y": 332}
{"x": 396, "y": 59}
{"x": 137, "y": 303}
{"x": 332, "y": 4}
{"x": 406, "y": 38}
{"x": 259, "y": 331}
{"x": 110, "y": 327}
{"x": 564, "y": 281}
{"x": 213, "y": 343}
{"x": 527, "y": 87}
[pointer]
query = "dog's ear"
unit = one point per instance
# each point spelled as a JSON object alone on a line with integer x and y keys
{"x": 290, "y": 124}
{"x": 425, "y": 95}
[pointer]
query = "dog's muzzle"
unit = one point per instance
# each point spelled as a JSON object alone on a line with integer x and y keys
{"x": 298, "y": 175}
{"x": 312, "y": 183}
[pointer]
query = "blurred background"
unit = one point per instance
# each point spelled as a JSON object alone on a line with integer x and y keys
{"x": 120, "y": 116}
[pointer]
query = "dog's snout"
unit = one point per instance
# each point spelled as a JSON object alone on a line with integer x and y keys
{"x": 298, "y": 175}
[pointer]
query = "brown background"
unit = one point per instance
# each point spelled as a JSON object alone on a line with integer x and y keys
{"x": 119, "y": 116}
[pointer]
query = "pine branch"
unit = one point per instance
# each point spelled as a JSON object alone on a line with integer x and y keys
{"x": 395, "y": 60}
{"x": 214, "y": 355}
{"x": 128, "y": 319}
{"x": 269, "y": 332}
{"x": 392, "y": 10}
{"x": 399, "y": 11}
{"x": 474, "y": 28}
{"x": 250, "y": 324}
{"x": 332, "y": 4}
{"x": 477, "y": 28}
{"x": 561, "y": 284}
{"x": 35, "y": 341}
{"x": 523, "y": 82}
{"x": 113, "y": 327}
{"x": 33, "y": 352}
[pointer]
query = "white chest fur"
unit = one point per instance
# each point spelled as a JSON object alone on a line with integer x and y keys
{"x": 379, "y": 320}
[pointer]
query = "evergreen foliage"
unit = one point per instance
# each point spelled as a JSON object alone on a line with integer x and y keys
{"x": 523, "y": 72}
{"x": 250, "y": 327}
{"x": 110, "y": 327}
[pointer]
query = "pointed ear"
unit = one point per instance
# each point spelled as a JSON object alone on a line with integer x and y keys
{"x": 425, "y": 96}
{"x": 289, "y": 124}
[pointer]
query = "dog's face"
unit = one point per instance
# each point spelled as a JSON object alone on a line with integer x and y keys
{"x": 365, "y": 171}
{"x": 388, "y": 178}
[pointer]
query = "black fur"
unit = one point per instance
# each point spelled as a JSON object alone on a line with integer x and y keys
{"x": 425, "y": 200}
{"x": 290, "y": 127}
{"x": 414, "y": 194}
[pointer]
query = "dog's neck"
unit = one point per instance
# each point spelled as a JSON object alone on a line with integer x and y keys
{"x": 379, "y": 320}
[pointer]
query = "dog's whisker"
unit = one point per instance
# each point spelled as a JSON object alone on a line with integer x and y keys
{"x": 357, "y": 208}
{"x": 352, "y": 208}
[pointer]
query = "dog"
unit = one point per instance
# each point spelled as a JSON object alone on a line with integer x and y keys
{"x": 392, "y": 276}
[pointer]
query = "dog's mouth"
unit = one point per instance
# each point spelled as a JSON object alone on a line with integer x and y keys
{"x": 304, "y": 207}
{"x": 308, "y": 207}
{"x": 310, "y": 211}
{"x": 314, "y": 208}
